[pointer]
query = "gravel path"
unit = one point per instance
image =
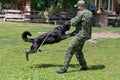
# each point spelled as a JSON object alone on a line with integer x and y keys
{"x": 103, "y": 35}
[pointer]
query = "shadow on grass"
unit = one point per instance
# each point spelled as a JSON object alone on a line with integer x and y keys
{"x": 90, "y": 67}
{"x": 45, "y": 65}
{"x": 96, "y": 67}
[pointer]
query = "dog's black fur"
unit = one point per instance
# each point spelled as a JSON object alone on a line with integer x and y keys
{"x": 54, "y": 36}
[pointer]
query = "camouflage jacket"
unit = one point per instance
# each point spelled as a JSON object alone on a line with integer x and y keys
{"x": 83, "y": 24}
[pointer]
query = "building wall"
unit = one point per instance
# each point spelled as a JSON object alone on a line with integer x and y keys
{"x": 109, "y": 5}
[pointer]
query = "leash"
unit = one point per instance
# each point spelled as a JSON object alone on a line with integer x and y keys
{"x": 42, "y": 44}
{"x": 40, "y": 47}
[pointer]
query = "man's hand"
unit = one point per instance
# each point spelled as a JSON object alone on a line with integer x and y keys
{"x": 71, "y": 34}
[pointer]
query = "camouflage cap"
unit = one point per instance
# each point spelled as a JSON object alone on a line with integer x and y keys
{"x": 80, "y": 2}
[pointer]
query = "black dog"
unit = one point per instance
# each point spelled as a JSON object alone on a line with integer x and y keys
{"x": 54, "y": 36}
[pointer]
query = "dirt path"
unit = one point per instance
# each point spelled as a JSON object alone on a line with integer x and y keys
{"x": 102, "y": 35}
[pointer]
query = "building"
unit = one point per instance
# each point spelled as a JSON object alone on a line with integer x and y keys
{"x": 107, "y": 9}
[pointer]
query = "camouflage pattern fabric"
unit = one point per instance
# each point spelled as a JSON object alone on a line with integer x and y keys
{"x": 82, "y": 23}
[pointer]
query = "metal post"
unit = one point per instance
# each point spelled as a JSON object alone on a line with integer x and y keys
{"x": 101, "y": 3}
{"x": 96, "y": 2}
{"x": 0, "y": 5}
{"x": 108, "y": 5}
{"x": 112, "y": 5}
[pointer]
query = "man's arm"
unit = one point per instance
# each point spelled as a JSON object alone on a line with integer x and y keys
{"x": 76, "y": 19}
{"x": 71, "y": 34}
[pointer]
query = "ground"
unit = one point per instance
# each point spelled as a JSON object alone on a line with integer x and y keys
{"x": 102, "y": 57}
{"x": 105, "y": 34}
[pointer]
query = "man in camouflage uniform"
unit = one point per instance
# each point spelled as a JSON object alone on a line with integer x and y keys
{"x": 82, "y": 23}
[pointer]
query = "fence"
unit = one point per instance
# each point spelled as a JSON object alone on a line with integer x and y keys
{"x": 43, "y": 17}
{"x": 35, "y": 16}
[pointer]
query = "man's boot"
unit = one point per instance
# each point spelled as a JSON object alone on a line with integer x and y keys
{"x": 84, "y": 68}
{"x": 61, "y": 70}
{"x": 66, "y": 64}
{"x": 67, "y": 60}
{"x": 81, "y": 60}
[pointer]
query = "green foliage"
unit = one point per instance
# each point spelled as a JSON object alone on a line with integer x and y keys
{"x": 118, "y": 1}
{"x": 7, "y": 4}
{"x": 51, "y": 5}
{"x": 69, "y": 5}
{"x": 102, "y": 58}
{"x": 39, "y": 4}
{"x": 54, "y": 5}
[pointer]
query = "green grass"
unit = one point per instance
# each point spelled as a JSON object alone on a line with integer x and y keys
{"x": 102, "y": 57}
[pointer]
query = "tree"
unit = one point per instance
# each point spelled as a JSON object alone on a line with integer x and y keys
{"x": 118, "y": 1}
{"x": 55, "y": 5}
{"x": 7, "y": 4}
{"x": 37, "y": 4}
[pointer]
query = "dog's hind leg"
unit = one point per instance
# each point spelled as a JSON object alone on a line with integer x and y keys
{"x": 33, "y": 49}
{"x": 26, "y": 55}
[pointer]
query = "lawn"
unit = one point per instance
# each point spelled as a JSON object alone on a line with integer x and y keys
{"x": 102, "y": 57}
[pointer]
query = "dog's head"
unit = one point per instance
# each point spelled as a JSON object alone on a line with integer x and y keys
{"x": 66, "y": 25}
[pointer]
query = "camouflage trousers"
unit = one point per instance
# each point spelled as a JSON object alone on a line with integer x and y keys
{"x": 75, "y": 48}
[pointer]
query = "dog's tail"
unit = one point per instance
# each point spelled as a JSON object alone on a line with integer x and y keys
{"x": 25, "y": 38}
